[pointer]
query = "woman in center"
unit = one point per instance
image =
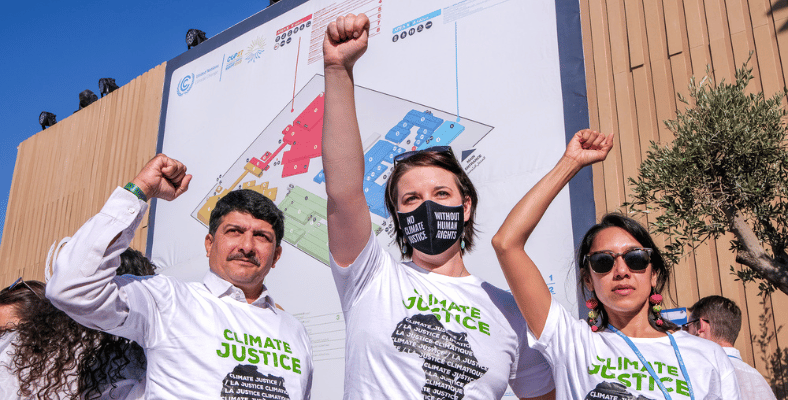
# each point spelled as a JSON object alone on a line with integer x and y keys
{"x": 424, "y": 328}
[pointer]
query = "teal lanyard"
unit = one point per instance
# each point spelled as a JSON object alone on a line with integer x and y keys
{"x": 651, "y": 370}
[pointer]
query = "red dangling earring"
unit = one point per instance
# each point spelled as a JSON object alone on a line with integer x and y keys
{"x": 656, "y": 300}
{"x": 592, "y": 304}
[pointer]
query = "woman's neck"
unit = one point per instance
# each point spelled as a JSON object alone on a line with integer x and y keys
{"x": 634, "y": 325}
{"x": 448, "y": 263}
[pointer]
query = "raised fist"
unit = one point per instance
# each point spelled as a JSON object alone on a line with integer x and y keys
{"x": 163, "y": 177}
{"x": 589, "y": 146}
{"x": 345, "y": 41}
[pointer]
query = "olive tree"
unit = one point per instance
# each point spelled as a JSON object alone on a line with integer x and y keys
{"x": 726, "y": 171}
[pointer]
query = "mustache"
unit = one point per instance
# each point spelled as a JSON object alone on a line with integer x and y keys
{"x": 240, "y": 256}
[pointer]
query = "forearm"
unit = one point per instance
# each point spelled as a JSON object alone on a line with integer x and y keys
{"x": 343, "y": 165}
{"x": 522, "y": 220}
{"x": 524, "y": 278}
{"x": 82, "y": 283}
{"x": 343, "y": 154}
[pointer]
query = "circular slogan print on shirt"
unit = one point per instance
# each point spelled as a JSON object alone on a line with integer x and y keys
{"x": 612, "y": 391}
{"x": 246, "y": 383}
{"x": 449, "y": 362}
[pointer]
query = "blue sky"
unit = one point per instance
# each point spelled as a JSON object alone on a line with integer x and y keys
{"x": 53, "y": 50}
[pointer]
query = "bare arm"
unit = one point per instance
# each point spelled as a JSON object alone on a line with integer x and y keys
{"x": 526, "y": 282}
{"x": 349, "y": 223}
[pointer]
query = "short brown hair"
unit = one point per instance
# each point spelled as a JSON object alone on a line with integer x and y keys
{"x": 723, "y": 315}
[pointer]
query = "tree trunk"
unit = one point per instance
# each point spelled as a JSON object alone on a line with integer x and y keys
{"x": 753, "y": 254}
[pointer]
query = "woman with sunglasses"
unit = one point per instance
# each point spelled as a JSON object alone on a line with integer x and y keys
{"x": 625, "y": 349}
{"x": 425, "y": 328}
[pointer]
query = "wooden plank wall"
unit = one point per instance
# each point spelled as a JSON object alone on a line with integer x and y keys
{"x": 638, "y": 54}
{"x": 64, "y": 174}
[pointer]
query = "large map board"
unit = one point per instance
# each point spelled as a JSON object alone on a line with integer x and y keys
{"x": 500, "y": 81}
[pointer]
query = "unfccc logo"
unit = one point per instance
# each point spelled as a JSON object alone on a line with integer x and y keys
{"x": 185, "y": 84}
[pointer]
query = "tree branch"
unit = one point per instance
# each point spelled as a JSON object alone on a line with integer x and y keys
{"x": 753, "y": 254}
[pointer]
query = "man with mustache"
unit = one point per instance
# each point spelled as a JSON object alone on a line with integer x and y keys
{"x": 223, "y": 337}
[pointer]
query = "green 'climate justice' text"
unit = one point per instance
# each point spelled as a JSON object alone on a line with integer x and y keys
{"x": 448, "y": 311}
{"x": 253, "y": 349}
{"x": 637, "y": 377}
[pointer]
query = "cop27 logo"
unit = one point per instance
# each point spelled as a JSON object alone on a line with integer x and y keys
{"x": 185, "y": 84}
{"x": 256, "y": 48}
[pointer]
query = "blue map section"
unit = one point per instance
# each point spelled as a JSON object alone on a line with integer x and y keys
{"x": 430, "y": 131}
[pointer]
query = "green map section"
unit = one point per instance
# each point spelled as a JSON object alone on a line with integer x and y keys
{"x": 305, "y": 222}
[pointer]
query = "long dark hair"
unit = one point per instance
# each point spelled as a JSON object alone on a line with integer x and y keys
{"x": 443, "y": 160}
{"x": 52, "y": 350}
{"x": 658, "y": 264}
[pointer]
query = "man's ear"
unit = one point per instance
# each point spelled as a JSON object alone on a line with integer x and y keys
{"x": 208, "y": 244}
{"x": 704, "y": 329}
{"x": 277, "y": 254}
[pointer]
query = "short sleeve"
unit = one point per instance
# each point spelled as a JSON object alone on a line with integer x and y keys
{"x": 534, "y": 375}
{"x": 353, "y": 279}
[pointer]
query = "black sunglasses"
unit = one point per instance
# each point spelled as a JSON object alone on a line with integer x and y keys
{"x": 20, "y": 281}
{"x": 602, "y": 262}
{"x": 694, "y": 321}
{"x": 434, "y": 149}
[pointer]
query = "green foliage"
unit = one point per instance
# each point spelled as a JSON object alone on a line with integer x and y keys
{"x": 729, "y": 154}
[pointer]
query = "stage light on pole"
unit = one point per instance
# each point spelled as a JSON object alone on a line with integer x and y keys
{"x": 107, "y": 86}
{"x": 86, "y": 98}
{"x": 46, "y": 119}
{"x": 194, "y": 37}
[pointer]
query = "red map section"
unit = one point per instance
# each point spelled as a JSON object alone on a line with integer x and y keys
{"x": 304, "y": 137}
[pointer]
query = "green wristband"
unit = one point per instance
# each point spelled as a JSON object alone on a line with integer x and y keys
{"x": 135, "y": 190}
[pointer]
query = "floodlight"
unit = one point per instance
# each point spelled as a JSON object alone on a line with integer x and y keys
{"x": 86, "y": 98}
{"x": 46, "y": 119}
{"x": 107, "y": 86}
{"x": 194, "y": 37}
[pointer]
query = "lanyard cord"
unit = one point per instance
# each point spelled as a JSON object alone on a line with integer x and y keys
{"x": 681, "y": 365}
{"x": 651, "y": 369}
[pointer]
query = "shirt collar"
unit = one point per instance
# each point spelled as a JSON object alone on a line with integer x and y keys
{"x": 732, "y": 352}
{"x": 221, "y": 288}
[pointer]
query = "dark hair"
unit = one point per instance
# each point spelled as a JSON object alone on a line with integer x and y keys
{"x": 252, "y": 203}
{"x": 658, "y": 264}
{"x": 443, "y": 160}
{"x": 52, "y": 350}
{"x": 723, "y": 314}
{"x": 23, "y": 298}
{"x": 133, "y": 262}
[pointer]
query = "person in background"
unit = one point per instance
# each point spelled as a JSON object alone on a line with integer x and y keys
{"x": 49, "y": 355}
{"x": 423, "y": 327}
{"x": 624, "y": 350}
{"x": 718, "y": 319}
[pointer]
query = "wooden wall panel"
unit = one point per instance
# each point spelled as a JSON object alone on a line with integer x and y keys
{"x": 639, "y": 54}
{"x": 64, "y": 174}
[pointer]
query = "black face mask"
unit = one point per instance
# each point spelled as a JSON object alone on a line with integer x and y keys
{"x": 432, "y": 228}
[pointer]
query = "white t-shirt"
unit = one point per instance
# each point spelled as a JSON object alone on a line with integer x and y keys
{"x": 412, "y": 334}
{"x": 600, "y": 365}
{"x": 751, "y": 383}
{"x": 202, "y": 340}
